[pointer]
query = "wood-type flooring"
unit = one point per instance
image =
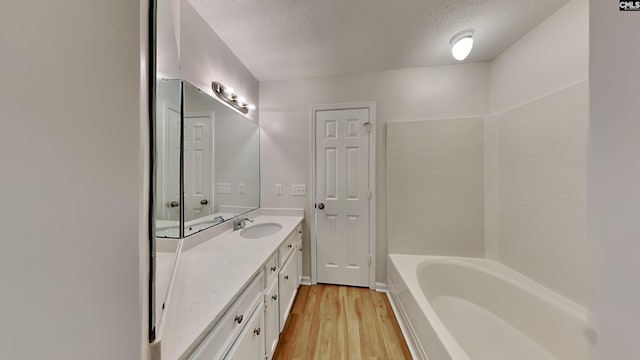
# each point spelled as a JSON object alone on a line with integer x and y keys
{"x": 340, "y": 322}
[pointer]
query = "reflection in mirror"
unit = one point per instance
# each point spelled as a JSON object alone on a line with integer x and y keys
{"x": 167, "y": 203}
{"x": 219, "y": 156}
{"x": 221, "y": 162}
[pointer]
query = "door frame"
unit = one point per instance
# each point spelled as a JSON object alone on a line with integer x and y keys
{"x": 371, "y": 106}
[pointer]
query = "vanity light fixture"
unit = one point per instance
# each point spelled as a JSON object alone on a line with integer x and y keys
{"x": 228, "y": 95}
{"x": 461, "y": 44}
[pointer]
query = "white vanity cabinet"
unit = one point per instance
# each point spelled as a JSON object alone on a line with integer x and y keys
{"x": 250, "y": 327}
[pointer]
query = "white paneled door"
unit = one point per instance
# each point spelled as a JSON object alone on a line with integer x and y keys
{"x": 342, "y": 196}
{"x": 197, "y": 166}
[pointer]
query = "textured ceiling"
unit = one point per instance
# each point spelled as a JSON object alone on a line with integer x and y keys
{"x": 283, "y": 39}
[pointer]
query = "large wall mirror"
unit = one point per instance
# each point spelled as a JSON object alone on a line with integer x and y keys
{"x": 207, "y": 172}
{"x": 208, "y": 161}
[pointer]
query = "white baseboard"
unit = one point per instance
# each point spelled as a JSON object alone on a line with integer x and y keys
{"x": 381, "y": 287}
{"x": 306, "y": 280}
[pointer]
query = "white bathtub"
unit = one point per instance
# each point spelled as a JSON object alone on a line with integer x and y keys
{"x": 477, "y": 309}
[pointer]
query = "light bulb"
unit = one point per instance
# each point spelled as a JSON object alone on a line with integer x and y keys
{"x": 241, "y": 100}
{"x": 462, "y": 48}
{"x": 251, "y": 107}
{"x": 229, "y": 91}
{"x": 461, "y": 44}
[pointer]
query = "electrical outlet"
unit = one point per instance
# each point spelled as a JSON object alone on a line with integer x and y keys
{"x": 299, "y": 190}
{"x": 242, "y": 189}
{"x": 279, "y": 189}
{"x": 224, "y": 188}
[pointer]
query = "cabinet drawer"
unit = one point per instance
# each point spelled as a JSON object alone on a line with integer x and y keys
{"x": 227, "y": 329}
{"x": 287, "y": 247}
{"x": 271, "y": 269}
{"x": 250, "y": 342}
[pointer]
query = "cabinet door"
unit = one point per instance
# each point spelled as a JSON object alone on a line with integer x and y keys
{"x": 271, "y": 319}
{"x": 287, "y": 284}
{"x": 299, "y": 259}
{"x": 250, "y": 343}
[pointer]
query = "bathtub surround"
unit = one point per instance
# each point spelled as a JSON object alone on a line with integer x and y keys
{"x": 535, "y": 154}
{"x": 541, "y": 151}
{"x": 435, "y": 200}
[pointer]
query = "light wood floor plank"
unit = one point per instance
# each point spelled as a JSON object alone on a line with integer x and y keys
{"x": 340, "y": 322}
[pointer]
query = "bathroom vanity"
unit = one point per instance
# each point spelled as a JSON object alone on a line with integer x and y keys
{"x": 232, "y": 294}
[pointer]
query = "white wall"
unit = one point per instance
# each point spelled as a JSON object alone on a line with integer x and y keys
{"x": 204, "y": 58}
{"x": 614, "y": 178}
{"x": 72, "y": 180}
{"x": 410, "y": 94}
{"x": 435, "y": 187}
{"x": 549, "y": 57}
{"x": 168, "y": 39}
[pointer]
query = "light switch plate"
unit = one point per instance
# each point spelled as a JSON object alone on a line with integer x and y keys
{"x": 224, "y": 188}
{"x": 299, "y": 190}
{"x": 279, "y": 189}
{"x": 242, "y": 189}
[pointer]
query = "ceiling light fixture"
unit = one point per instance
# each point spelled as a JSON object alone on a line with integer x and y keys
{"x": 461, "y": 44}
{"x": 228, "y": 95}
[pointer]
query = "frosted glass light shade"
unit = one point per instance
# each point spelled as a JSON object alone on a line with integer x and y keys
{"x": 462, "y": 47}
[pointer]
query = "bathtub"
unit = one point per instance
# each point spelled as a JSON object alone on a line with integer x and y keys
{"x": 476, "y": 309}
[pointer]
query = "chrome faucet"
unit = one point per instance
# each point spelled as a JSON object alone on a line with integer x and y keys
{"x": 240, "y": 223}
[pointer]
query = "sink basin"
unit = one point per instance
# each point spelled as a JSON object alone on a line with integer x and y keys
{"x": 260, "y": 230}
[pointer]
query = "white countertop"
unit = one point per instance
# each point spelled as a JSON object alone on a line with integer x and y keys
{"x": 209, "y": 277}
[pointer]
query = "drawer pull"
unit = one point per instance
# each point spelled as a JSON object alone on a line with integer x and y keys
{"x": 286, "y": 277}
{"x": 256, "y": 331}
{"x": 290, "y": 246}
{"x": 273, "y": 268}
{"x": 274, "y": 297}
{"x": 300, "y": 249}
{"x": 238, "y": 318}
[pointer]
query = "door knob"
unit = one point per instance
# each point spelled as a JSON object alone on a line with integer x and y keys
{"x": 320, "y": 206}
{"x": 204, "y": 202}
{"x": 174, "y": 204}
